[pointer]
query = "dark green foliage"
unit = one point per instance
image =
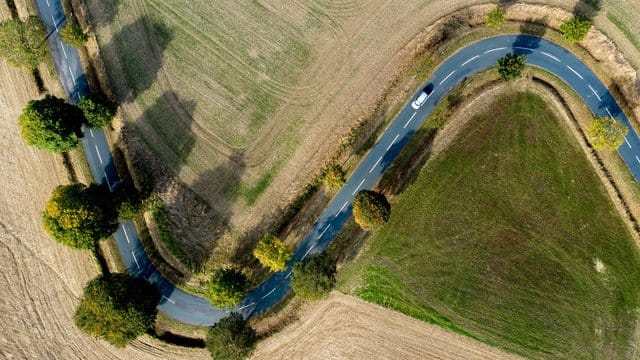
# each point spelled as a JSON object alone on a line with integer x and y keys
{"x": 79, "y": 216}
{"x": 511, "y": 66}
{"x": 51, "y": 124}
{"x": 129, "y": 205}
{"x": 117, "y": 308}
{"x": 231, "y": 339}
{"x": 226, "y": 287}
{"x": 98, "y": 110}
{"x": 576, "y": 29}
{"x": 371, "y": 210}
{"x": 313, "y": 278}
{"x": 23, "y": 44}
{"x": 73, "y": 35}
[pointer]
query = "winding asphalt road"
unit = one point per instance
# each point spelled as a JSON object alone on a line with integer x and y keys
{"x": 466, "y": 62}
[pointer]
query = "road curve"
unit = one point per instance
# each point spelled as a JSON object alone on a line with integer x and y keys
{"x": 466, "y": 62}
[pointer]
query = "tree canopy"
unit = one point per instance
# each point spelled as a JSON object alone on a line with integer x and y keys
{"x": 117, "y": 308}
{"x": 226, "y": 287}
{"x": 313, "y": 278}
{"x": 511, "y": 66}
{"x": 495, "y": 18}
{"x": 98, "y": 110}
{"x": 272, "y": 253}
{"x": 51, "y": 124}
{"x": 73, "y": 35}
{"x": 23, "y": 44}
{"x": 576, "y": 29}
{"x": 334, "y": 177}
{"x": 79, "y": 216}
{"x": 606, "y": 133}
{"x": 231, "y": 339}
{"x": 371, "y": 210}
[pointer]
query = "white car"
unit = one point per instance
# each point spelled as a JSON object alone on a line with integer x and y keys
{"x": 422, "y": 98}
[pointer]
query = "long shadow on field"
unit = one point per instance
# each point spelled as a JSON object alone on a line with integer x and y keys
{"x": 103, "y": 12}
{"x": 139, "y": 50}
{"x": 588, "y": 8}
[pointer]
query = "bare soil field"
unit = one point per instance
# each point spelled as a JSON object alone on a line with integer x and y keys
{"x": 345, "y": 327}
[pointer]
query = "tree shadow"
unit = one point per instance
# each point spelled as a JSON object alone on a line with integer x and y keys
{"x": 525, "y": 44}
{"x": 104, "y": 11}
{"x": 139, "y": 49}
{"x": 587, "y": 8}
{"x": 536, "y": 29}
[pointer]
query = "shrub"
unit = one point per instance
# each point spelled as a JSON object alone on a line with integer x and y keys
{"x": 117, "y": 308}
{"x": 371, "y": 210}
{"x": 226, "y": 287}
{"x": 272, "y": 253}
{"x": 313, "y": 278}
{"x": 73, "y": 35}
{"x": 495, "y": 18}
{"x": 98, "y": 110}
{"x": 51, "y": 124}
{"x": 79, "y": 216}
{"x": 511, "y": 66}
{"x": 22, "y": 43}
{"x": 334, "y": 177}
{"x": 576, "y": 29}
{"x": 231, "y": 339}
{"x": 606, "y": 133}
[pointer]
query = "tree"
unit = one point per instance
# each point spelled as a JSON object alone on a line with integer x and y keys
{"x": 313, "y": 278}
{"x": 226, "y": 287}
{"x": 606, "y": 133}
{"x": 79, "y": 216}
{"x": 23, "y": 44}
{"x": 495, "y": 18}
{"x": 371, "y": 210}
{"x": 98, "y": 110}
{"x": 272, "y": 253}
{"x": 73, "y": 35}
{"x": 51, "y": 124}
{"x": 334, "y": 177}
{"x": 231, "y": 338}
{"x": 576, "y": 29}
{"x": 117, "y": 308}
{"x": 511, "y": 66}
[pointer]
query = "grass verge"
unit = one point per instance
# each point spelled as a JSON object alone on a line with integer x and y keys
{"x": 511, "y": 240}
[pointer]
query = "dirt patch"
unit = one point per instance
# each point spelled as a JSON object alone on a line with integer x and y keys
{"x": 344, "y": 327}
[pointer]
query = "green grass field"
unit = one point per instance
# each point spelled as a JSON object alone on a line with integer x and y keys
{"x": 510, "y": 238}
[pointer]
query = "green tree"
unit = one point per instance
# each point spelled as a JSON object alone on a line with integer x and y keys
{"x": 231, "y": 339}
{"x": 606, "y": 133}
{"x": 495, "y": 18}
{"x": 51, "y": 124}
{"x": 334, "y": 177}
{"x": 511, "y": 66}
{"x": 23, "y": 44}
{"x": 73, "y": 35}
{"x": 117, "y": 308}
{"x": 79, "y": 216}
{"x": 98, "y": 110}
{"x": 313, "y": 278}
{"x": 371, "y": 210}
{"x": 272, "y": 253}
{"x": 576, "y": 29}
{"x": 226, "y": 287}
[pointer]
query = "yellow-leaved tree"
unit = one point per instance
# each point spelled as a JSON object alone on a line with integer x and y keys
{"x": 606, "y": 133}
{"x": 272, "y": 253}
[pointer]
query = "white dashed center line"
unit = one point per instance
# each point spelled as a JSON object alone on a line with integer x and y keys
{"x": 91, "y": 132}
{"x": 522, "y": 48}
{"x": 328, "y": 226}
{"x": 64, "y": 52}
{"x": 168, "y": 299}
{"x": 98, "y": 152}
{"x": 408, "y": 121}
{"x": 376, "y": 164}
{"x": 448, "y": 76}
{"x": 393, "y": 142}
{"x": 627, "y": 141}
{"x": 609, "y": 112}
{"x": 594, "y": 93}
{"x": 54, "y": 22}
{"x": 637, "y": 159}
{"x": 496, "y": 49}
{"x": 48, "y": 3}
{"x": 136, "y": 260}
{"x": 289, "y": 274}
{"x": 307, "y": 253}
{"x": 358, "y": 188}
{"x": 269, "y": 293}
{"x": 106, "y": 178}
{"x": 470, "y": 60}
{"x": 125, "y": 233}
{"x": 246, "y": 306}
{"x": 575, "y": 72}
{"x": 344, "y": 206}
{"x": 551, "y": 56}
